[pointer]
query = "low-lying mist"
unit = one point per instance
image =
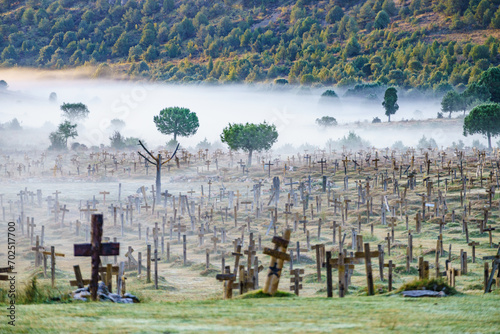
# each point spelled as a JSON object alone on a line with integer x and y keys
{"x": 292, "y": 110}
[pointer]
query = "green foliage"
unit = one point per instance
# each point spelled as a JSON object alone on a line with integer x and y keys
{"x": 117, "y": 140}
{"x": 382, "y": 20}
{"x": 453, "y": 102}
{"x": 59, "y": 139}
{"x": 249, "y": 137}
{"x": 261, "y": 294}
{"x": 334, "y": 15}
{"x": 177, "y": 121}
{"x": 390, "y": 102}
{"x": 3, "y": 85}
{"x": 483, "y": 119}
{"x": 425, "y": 143}
{"x": 311, "y": 41}
{"x": 491, "y": 80}
{"x": 326, "y": 121}
{"x": 352, "y": 48}
{"x": 476, "y": 94}
{"x": 74, "y": 111}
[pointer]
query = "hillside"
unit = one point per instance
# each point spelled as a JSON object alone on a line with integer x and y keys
{"x": 425, "y": 44}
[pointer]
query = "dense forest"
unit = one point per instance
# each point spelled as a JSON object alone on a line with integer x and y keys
{"x": 425, "y": 44}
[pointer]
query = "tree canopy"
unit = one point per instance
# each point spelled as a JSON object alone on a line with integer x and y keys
{"x": 326, "y": 121}
{"x": 483, "y": 119}
{"x": 452, "y": 102}
{"x": 59, "y": 138}
{"x": 177, "y": 121}
{"x": 74, "y": 111}
{"x": 250, "y": 137}
{"x": 390, "y": 102}
{"x": 491, "y": 80}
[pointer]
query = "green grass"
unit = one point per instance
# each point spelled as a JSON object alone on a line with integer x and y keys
{"x": 378, "y": 314}
{"x": 429, "y": 284}
{"x": 261, "y": 294}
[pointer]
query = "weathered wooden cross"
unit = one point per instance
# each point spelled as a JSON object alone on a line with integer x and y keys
{"x": 95, "y": 249}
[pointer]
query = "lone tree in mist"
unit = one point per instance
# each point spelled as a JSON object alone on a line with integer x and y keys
{"x": 59, "y": 139}
{"x": 249, "y": 137}
{"x": 75, "y": 111}
{"x": 390, "y": 102}
{"x": 452, "y": 102}
{"x": 485, "y": 120}
{"x": 177, "y": 121}
{"x": 157, "y": 162}
{"x": 326, "y": 121}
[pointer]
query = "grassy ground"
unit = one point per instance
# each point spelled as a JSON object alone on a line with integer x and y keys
{"x": 379, "y": 314}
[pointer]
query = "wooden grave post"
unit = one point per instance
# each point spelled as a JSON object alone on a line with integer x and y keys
{"x": 96, "y": 249}
{"x": 278, "y": 257}
{"x": 296, "y": 280}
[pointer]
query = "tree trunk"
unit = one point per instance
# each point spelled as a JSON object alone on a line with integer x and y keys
{"x": 175, "y": 137}
{"x": 250, "y": 158}
{"x": 489, "y": 141}
{"x": 449, "y": 115}
{"x": 389, "y": 117}
{"x": 158, "y": 179}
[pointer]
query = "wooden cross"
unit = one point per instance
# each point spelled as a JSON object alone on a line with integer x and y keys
{"x": 343, "y": 263}
{"x": 228, "y": 280}
{"x": 489, "y": 230}
{"x": 215, "y": 240}
{"x": 367, "y": 255}
{"x": 269, "y": 164}
{"x": 79, "y": 281}
{"x": 96, "y": 249}
{"x": 494, "y": 268}
{"x": 104, "y": 193}
{"x": 296, "y": 279}
{"x": 278, "y": 257}
{"x": 320, "y": 256}
{"x": 107, "y": 275}
{"x": 473, "y": 245}
{"x": 390, "y": 265}
{"x": 237, "y": 254}
{"x": 323, "y": 163}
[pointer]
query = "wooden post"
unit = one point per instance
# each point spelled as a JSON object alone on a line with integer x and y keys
{"x": 369, "y": 274}
{"x": 156, "y": 268}
{"x": 53, "y": 266}
{"x": 97, "y": 222}
{"x": 390, "y": 275}
{"x": 148, "y": 264}
{"x": 329, "y": 285}
{"x": 184, "y": 250}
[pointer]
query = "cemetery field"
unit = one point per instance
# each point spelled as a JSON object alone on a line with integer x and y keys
{"x": 338, "y": 233}
{"x": 377, "y": 314}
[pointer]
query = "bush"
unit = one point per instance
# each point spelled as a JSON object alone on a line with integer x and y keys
{"x": 376, "y": 120}
{"x": 439, "y": 115}
{"x": 429, "y": 284}
{"x": 326, "y": 121}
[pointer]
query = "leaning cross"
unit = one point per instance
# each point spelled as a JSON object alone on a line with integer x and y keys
{"x": 278, "y": 257}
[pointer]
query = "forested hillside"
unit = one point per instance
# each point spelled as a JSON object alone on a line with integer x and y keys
{"x": 425, "y": 44}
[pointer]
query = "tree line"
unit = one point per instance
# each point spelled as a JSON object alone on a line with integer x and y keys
{"x": 329, "y": 42}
